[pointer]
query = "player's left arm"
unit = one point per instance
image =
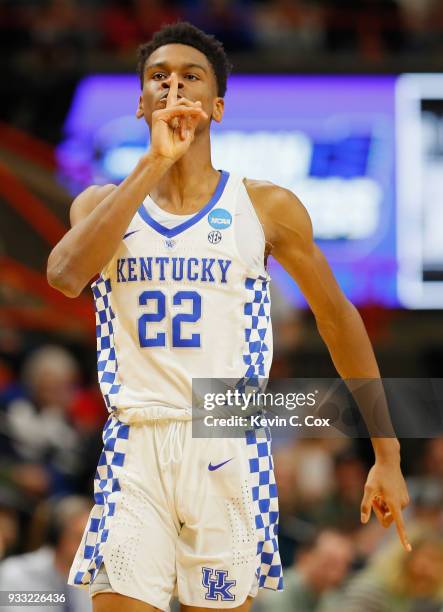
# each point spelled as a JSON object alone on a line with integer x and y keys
{"x": 288, "y": 228}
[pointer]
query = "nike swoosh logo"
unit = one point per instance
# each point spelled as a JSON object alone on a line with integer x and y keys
{"x": 212, "y": 468}
{"x": 130, "y": 234}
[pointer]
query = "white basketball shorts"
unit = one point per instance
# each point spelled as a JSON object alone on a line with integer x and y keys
{"x": 180, "y": 515}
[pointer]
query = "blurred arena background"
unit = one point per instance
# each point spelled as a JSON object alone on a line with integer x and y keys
{"x": 345, "y": 98}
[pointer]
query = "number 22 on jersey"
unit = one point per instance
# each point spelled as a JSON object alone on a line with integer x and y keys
{"x": 181, "y": 298}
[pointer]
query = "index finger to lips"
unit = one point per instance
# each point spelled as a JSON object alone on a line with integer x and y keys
{"x": 171, "y": 98}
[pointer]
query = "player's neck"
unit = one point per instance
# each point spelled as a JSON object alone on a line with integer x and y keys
{"x": 189, "y": 183}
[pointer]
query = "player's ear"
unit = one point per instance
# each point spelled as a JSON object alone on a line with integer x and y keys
{"x": 139, "y": 112}
{"x": 218, "y": 108}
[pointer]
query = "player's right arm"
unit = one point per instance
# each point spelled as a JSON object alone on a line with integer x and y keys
{"x": 99, "y": 218}
{"x": 100, "y": 215}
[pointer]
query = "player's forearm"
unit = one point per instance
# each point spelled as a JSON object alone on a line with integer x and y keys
{"x": 353, "y": 356}
{"x": 89, "y": 245}
{"x": 349, "y": 346}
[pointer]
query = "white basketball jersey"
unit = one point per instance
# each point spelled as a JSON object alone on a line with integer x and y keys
{"x": 183, "y": 302}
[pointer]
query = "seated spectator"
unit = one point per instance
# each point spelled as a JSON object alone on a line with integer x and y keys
{"x": 396, "y": 581}
{"x": 119, "y": 28}
{"x": 289, "y": 25}
{"x": 151, "y": 15}
{"x": 47, "y": 568}
{"x": 61, "y": 33}
{"x": 432, "y": 461}
{"x": 312, "y": 583}
{"x": 426, "y": 495}
{"x": 304, "y": 474}
{"x": 9, "y": 521}
{"x": 44, "y": 447}
{"x": 419, "y": 17}
{"x": 227, "y": 20}
{"x": 341, "y": 508}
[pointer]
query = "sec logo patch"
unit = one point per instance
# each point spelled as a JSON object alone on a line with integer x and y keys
{"x": 214, "y": 237}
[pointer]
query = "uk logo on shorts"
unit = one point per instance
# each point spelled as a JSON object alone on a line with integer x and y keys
{"x": 217, "y": 585}
{"x": 220, "y": 219}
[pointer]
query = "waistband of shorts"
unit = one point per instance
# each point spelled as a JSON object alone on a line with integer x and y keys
{"x": 152, "y": 414}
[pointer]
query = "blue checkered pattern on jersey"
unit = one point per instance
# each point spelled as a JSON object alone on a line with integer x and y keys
{"x": 264, "y": 498}
{"x": 107, "y": 366}
{"x": 257, "y": 313}
{"x": 106, "y": 493}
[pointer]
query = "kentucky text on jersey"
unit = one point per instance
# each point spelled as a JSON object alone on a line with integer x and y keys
{"x": 205, "y": 269}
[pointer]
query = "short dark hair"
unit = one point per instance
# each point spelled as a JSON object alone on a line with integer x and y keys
{"x": 185, "y": 33}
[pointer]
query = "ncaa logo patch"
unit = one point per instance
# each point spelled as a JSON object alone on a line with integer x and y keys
{"x": 217, "y": 584}
{"x": 214, "y": 237}
{"x": 220, "y": 219}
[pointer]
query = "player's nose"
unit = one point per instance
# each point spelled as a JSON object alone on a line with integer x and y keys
{"x": 167, "y": 82}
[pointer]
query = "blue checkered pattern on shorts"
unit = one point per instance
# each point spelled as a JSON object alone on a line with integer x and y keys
{"x": 264, "y": 498}
{"x": 107, "y": 366}
{"x": 106, "y": 493}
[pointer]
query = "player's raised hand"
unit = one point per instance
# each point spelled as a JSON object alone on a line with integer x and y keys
{"x": 386, "y": 494}
{"x": 173, "y": 128}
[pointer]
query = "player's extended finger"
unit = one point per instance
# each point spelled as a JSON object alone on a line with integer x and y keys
{"x": 401, "y": 530}
{"x": 366, "y": 504}
{"x": 171, "y": 98}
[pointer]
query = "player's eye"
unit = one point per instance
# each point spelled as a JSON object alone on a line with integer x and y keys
{"x": 157, "y": 76}
{"x": 191, "y": 77}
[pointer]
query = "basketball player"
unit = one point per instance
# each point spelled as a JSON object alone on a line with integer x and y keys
{"x": 183, "y": 292}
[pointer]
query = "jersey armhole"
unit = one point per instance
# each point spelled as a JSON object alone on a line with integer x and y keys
{"x": 254, "y": 211}
{"x": 257, "y": 221}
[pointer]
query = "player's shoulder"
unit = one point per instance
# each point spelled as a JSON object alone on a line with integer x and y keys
{"x": 270, "y": 199}
{"x": 260, "y": 187}
{"x": 88, "y": 199}
{"x": 278, "y": 208}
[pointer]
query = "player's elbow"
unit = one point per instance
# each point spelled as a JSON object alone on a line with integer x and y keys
{"x": 68, "y": 290}
{"x": 63, "y": 284}
{"x": 60, "y": 278}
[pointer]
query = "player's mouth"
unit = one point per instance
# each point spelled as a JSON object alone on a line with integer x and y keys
{"x": 165, "y": 96}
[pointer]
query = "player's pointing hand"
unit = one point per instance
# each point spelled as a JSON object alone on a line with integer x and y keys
{"x": 386, "y": 494}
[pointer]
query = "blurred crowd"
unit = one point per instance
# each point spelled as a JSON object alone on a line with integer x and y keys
{"x": 51, "y": 419}
{"x": 51, "y": 44}
{"x": 50, "y": 440}
{"x": 64, "y": 30}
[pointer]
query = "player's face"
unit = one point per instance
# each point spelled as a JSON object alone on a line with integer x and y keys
{"x": 196, "y": 81}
